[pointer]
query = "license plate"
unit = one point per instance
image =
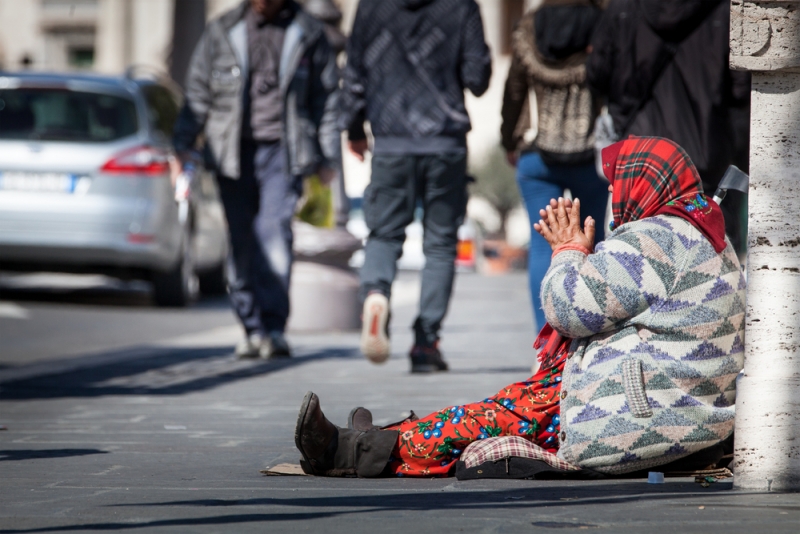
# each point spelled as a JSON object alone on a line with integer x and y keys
{"x": 37, "y": 182}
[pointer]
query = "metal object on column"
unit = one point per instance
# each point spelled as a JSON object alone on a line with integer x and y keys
{"x": 765, "y": 39}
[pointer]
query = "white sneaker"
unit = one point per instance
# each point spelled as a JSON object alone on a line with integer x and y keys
{"x": 247, "y": 348}
{"x": 375, "y": 330}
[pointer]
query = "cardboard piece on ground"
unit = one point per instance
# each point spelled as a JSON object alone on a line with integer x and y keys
{"x": 283, "y": 470}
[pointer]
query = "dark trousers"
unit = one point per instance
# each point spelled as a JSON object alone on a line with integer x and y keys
{"x": 259, "y": 207}
{"x": 398, "y": 184}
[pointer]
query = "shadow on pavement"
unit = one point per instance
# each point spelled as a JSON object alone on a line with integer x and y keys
{"x": 128, "y": 298}
{"x": 167, "y": 372}
{"x": 32, "y": 454}
{"x": 514, "y": 501}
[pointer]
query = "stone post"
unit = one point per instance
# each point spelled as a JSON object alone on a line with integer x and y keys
{"x": 765, "y": 39}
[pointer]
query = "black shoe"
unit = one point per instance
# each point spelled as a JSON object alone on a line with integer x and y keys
{"x": 427, "y": 359}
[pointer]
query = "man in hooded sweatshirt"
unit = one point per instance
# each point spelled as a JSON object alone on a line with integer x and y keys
{"x": 663, "y": 66}
{"x": 408, "y": 64}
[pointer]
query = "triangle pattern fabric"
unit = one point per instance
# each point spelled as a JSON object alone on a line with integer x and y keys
{"x": 720, "y": 289}
{"x": 618, "y": 426}
{"x": 656, "y": 295}
{"x": 607, "y": 388}
{"x": 589, "y": 413}
{"x": 659, "y": 381}
{"x": 596, "y": 449}
{"x": 705, "y": 389}
{"x": 690, "y": 280}
{"x": 670, "y": 418}
{"x": 651, "y": 437}
{"x": 700, "y": 434}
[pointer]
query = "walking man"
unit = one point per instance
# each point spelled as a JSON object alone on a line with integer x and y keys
{"x": 262, "y": 87}
{"x": 408, "y": 63}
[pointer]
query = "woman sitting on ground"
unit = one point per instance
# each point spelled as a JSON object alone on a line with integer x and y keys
{"x": 640, "y": 355}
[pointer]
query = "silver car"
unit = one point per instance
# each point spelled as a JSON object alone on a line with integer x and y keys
{"x": 85, "y": 185}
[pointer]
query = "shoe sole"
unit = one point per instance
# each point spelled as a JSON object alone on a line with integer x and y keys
{"x": 423, "y": 369}
{"x": 375, "y": 343}
{"x": 277, "y": 355}
{"x": 420, "y": 368}
{"x": 298, "y": 427}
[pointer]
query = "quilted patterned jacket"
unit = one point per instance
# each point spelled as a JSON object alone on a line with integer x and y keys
{"x": 657, "y": 318}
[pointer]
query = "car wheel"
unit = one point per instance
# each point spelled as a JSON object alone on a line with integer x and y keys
{"x": 179, "y": 286}
{"x": 213, "y": 282}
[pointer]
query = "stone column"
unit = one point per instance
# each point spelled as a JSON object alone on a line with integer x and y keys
{"x": 765, "y": 39}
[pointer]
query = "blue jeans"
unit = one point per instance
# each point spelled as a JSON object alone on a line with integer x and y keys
{"x": 259, "y": 207}
{"x": 538, "y": 183}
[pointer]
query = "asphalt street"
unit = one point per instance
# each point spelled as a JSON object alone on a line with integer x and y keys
{"x": 121, "y": 416}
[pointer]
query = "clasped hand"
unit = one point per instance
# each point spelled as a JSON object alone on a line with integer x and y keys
{"x": 560, "y": 224}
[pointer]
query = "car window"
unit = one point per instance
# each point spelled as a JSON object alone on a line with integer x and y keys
{"x": 162, "y": 108}
{"x": 51, "y": 114}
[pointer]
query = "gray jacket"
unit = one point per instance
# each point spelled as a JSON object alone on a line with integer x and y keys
{"x": 217, "y": 81}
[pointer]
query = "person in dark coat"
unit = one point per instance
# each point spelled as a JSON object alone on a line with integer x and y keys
{"x": 408, "y": 64}
{"x": 262, "y": 88}
{"x": 663, "y": 66}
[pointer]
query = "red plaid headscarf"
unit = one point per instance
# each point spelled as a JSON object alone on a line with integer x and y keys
{"x": 653, "y": 176}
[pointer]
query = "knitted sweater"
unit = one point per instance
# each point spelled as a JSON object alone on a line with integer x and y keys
{"x": 658, "y": 321}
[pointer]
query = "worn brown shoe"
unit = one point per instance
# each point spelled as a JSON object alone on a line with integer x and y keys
{"x": 360, "y": 419}
{"x": 315, "y": 437}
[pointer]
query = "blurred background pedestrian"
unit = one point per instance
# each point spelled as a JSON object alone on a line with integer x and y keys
{"x": 262, "y": 86}
{"x": 663, "y": 67}
{"x": 548, "y": 118}
{"x": 408, "y": 64}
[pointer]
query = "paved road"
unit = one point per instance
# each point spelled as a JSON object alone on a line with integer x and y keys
{"x": 124, "y": 417}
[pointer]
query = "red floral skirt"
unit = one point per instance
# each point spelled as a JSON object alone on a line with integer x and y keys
{"x": 431, "y": 446}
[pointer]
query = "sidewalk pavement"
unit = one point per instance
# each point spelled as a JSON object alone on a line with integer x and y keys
{"x": 170, "y": 437}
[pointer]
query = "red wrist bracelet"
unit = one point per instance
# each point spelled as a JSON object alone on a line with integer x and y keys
{"x": 571, "y": 246}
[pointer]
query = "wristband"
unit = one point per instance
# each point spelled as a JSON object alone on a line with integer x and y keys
{"x": 571, "y": 246}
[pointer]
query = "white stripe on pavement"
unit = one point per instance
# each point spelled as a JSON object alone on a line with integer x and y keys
{"x": 9, "y": 310}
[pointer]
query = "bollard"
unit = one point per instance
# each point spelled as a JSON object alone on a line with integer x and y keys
{"x": 765, "y": 39}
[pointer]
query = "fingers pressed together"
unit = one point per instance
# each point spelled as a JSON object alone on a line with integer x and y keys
{"x": 560, "y": 224}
